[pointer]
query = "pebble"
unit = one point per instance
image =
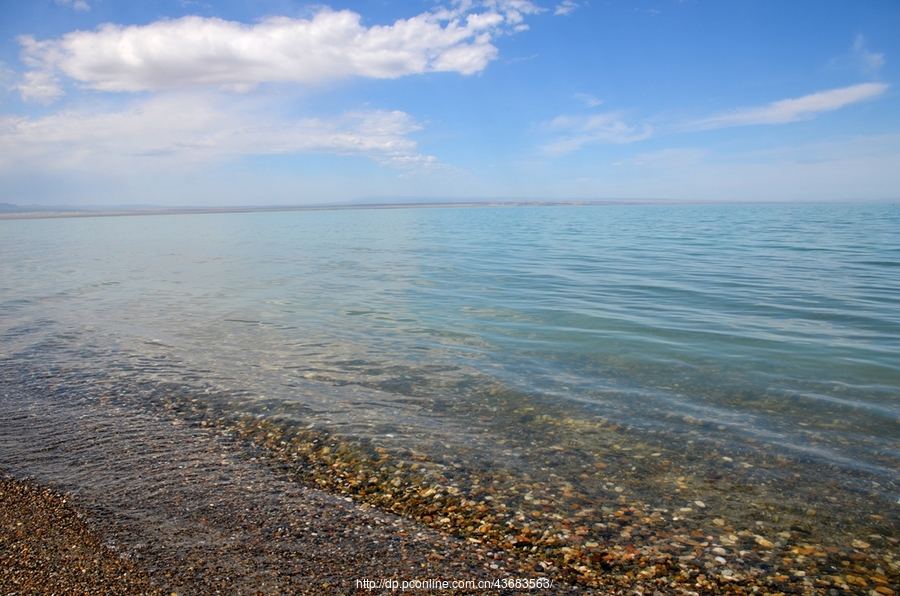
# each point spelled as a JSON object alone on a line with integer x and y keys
{"x": 45, "y": 548}
{"x": 624, "y": 542}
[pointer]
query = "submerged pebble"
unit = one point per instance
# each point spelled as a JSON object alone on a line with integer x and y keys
{"x": 583, "y": 512}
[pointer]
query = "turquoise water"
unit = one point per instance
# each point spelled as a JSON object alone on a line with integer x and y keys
{"x": 754, "y": 328}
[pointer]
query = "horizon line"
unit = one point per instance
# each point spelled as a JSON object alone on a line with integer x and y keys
{"x": 72, "y": 211}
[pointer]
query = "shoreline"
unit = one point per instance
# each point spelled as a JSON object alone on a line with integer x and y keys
{"x": 191, "y": 486}
{"x": 236, "y": 530}
{"x": 53, "y": 540}
{"x": 199, "y": 515}
{"x": 51, "y": 213}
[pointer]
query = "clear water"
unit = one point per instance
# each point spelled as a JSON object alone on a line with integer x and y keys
{"x": 756, "y": 329}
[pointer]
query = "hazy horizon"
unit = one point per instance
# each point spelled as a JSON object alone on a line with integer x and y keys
{"x": 12, "y": 210}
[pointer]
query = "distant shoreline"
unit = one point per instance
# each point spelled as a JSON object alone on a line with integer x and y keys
{"x": 53, "y": 213}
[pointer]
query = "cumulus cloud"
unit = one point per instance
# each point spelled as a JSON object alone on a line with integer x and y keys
{"x": 178, "y": 131}
{"x": 40, "y": 86}
{"x": 565, "y": 8}
{"x": 573, "y": 132}
{"x": 195, "y": 51}
{"x": 792, "y": 110}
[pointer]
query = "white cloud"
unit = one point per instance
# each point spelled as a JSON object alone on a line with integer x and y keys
{"x": 869, "y": 61}
{"x": 40, "y": 86}
{"x": 565, "y": 8}
{"x": 792, "y": 110}
{"x": 80, "y": 5}
{"x": 195, "y": 51}
{"x": 858, "y": 59}
{"x": 588, "y": 99}
{"x": 575, "y": 131}
{"x": 178, "y": 132}
{"x": 7, "y": 77}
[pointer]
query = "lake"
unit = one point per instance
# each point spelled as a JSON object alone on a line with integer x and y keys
{"x": 514, "y": 374}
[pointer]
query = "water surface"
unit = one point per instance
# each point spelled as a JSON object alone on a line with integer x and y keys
{"x": 755, "y": 341}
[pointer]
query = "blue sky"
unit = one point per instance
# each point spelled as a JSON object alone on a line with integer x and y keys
{"x": 263, "y": 102}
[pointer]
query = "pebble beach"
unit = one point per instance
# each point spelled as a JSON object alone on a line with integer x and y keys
{"x": 46, "y": 547}
{"x": 204, "y": 526}
{"x": 202, "y": 505}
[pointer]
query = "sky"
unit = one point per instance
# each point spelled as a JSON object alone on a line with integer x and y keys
{"x": 282, "y": 102}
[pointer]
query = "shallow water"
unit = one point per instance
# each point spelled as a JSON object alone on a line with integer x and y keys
{"x": 534, "y": 341}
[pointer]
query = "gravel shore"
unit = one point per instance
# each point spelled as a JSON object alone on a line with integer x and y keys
{"x": 156, "y": 506}
{"x": 46, "y": 547}
{"x": 155, "y": 500}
